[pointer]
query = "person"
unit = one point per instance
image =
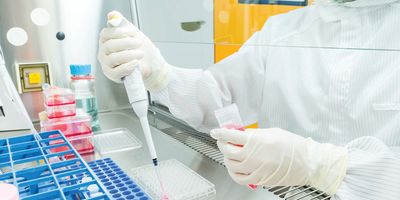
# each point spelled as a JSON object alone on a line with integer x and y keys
{"x": 321, "y": 81}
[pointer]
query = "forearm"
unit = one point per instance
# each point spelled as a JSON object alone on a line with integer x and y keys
{"x": 192, "y": 95}
{"x": 373, "y": 171}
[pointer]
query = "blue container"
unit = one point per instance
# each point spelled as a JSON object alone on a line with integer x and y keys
{"x": 31, "y": 163}
{"x": 117, "y": 182}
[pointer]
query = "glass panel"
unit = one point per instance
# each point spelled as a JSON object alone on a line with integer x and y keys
{"x": 328, "y": 58}
{"x": 191, "y": 32}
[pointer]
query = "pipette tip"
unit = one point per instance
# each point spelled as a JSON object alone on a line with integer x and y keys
{"x": 155, "y": 162}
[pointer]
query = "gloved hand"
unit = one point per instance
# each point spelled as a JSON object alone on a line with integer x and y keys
{"x": 275, "y": 157}
{"x": 123, "y": 48}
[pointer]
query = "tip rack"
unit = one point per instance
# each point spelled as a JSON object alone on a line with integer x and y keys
{"x": 32, "y": 163}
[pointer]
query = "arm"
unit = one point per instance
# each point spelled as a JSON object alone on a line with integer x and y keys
{"x": 365, "y": 169}
{"x": 373, "y": 171}
{"x": 237, "y": 79}
{"x": 191, "y": 94}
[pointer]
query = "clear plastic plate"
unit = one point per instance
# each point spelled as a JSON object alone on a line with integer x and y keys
{"x": 115, "y": 140}
{"x": 179, "y": 181}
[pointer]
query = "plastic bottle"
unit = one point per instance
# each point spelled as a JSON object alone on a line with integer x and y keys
{"x": 83, "y": 84}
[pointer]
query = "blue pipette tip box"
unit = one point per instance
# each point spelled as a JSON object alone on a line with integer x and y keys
{"x": 117, "y": 182}
{"x": 33, "y": 165}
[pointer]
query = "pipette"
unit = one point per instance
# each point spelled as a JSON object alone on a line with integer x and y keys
{"x": 136, "y": 91}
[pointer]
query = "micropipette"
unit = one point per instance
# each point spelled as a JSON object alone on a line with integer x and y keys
{"x": 136, "y": 91}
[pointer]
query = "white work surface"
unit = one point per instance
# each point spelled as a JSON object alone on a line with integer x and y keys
{"x": 169, "y": 148}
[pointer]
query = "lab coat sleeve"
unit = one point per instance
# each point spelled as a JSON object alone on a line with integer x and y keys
{"x": 194, "y": 94}
{"x": 373, "y": 171}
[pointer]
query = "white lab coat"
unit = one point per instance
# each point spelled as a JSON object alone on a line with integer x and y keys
{"x": 326, "y": 72}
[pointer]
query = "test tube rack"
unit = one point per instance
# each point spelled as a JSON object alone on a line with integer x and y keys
{"x": 31, "y": 164}
{"x": 118, "y": 184}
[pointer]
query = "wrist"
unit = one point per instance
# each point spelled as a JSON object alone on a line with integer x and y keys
{"x": 327, "y": 164}
{"x": 158, "y": 79}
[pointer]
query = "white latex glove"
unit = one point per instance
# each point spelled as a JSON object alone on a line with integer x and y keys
{"x": 123, "y": 48}
{"x": 275, "y": 157}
